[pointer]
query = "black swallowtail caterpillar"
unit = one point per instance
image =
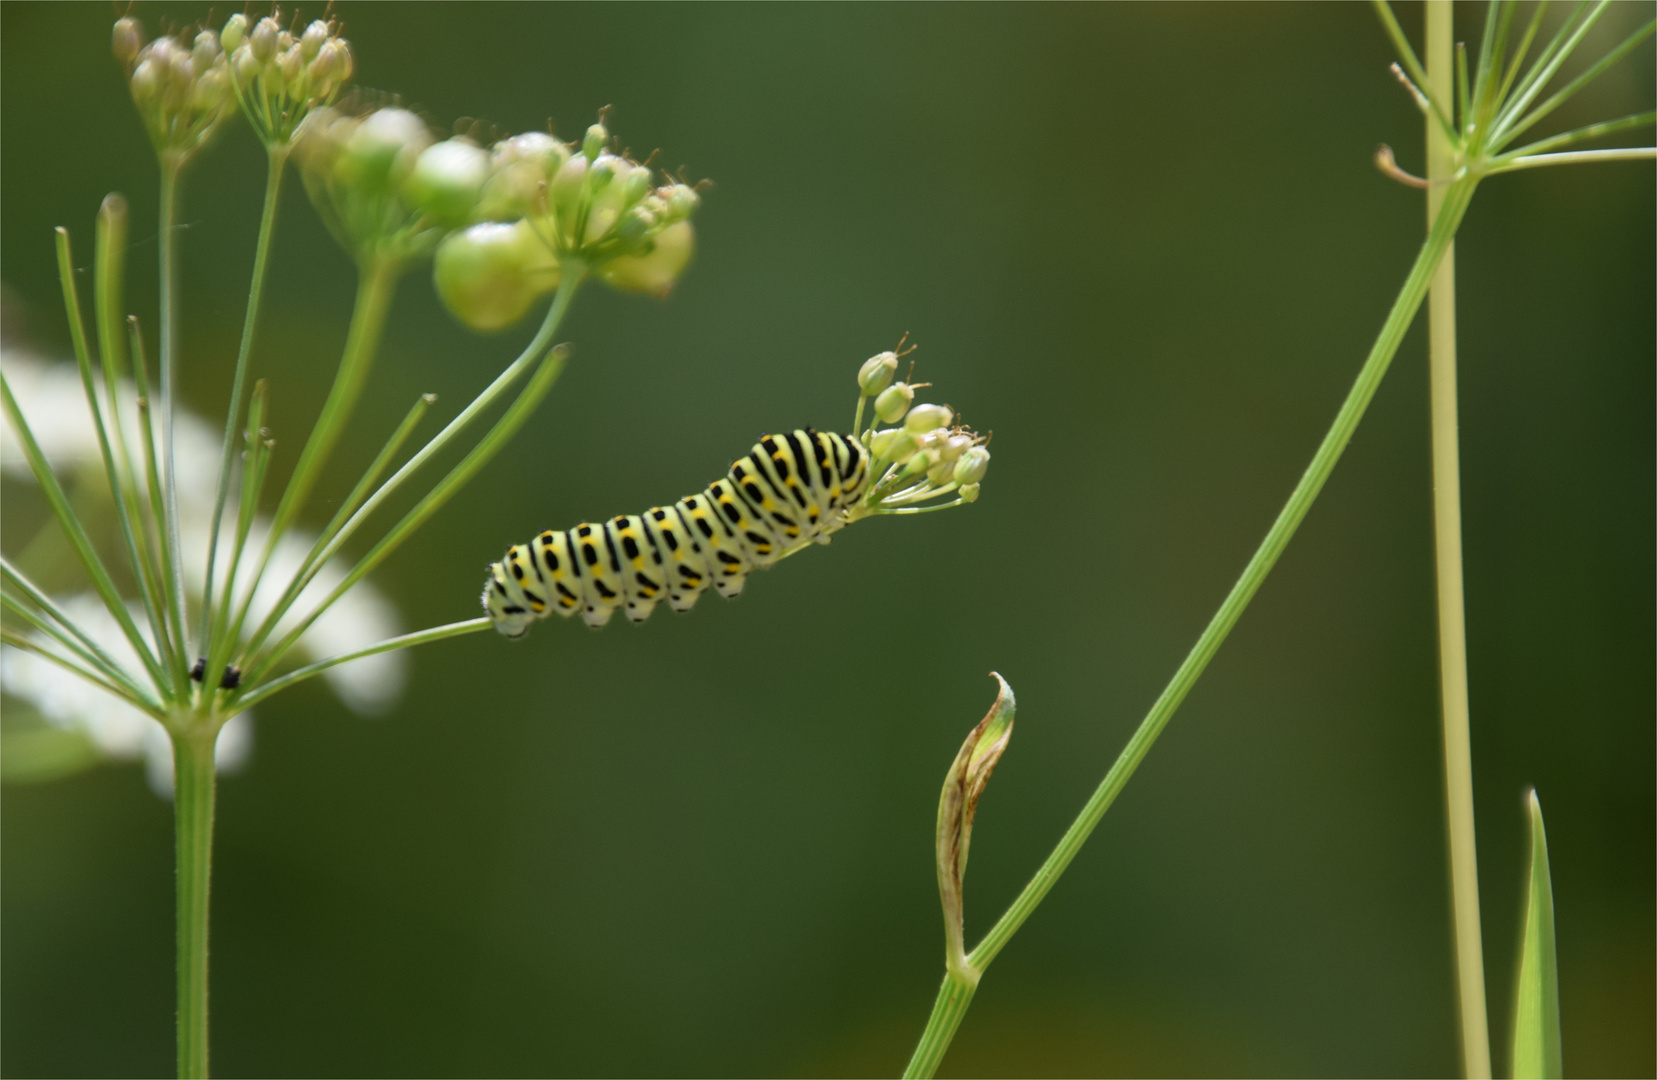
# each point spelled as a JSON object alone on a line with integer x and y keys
{"x": 790, "y": 490}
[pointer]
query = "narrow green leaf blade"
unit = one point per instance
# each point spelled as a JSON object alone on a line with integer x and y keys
{"x": 1536, "y": 1044}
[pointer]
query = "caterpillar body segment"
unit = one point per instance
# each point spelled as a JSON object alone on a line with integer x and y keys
{"x": 790, "y": 490}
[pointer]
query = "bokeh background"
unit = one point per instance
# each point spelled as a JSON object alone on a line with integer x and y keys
{"x": 1144, "y": 244}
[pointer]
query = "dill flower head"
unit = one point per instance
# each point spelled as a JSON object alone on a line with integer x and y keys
{"x": 181, "y": 86}
{"x": 278, "y": 77}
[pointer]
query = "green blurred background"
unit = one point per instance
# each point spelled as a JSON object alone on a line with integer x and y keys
{"x": 1145, "y": 245}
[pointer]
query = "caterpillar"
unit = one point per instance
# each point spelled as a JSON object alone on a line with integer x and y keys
{"x": 788, "y": 491}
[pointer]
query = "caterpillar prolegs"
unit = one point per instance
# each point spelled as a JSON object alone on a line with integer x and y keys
{"x": 790, "y": 490}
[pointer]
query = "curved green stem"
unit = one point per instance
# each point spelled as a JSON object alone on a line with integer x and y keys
{"x": 193, "y": 829}
{"x": 419, "y": 637}
{"x": 1404, "y": 308}
{"x": 278, "y": 158}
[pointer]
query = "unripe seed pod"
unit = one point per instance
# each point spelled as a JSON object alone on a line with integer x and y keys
{"x": 284, "y": 42}
{"x": 902, "y": 448}
{"x": 593, "y": 143}
{"x": 146, "y": 83}
{"x": 972, "y": 466}
{"x": 681, "y": 202}
{"x": 920, "y": 463}
{"x": 234, "y": 32}
{"x": 490, "y": 274}
{"x": 602, "y": 172}
{"x": 388, "y": 141}
{"x": 447, "y": 180}
{"x": 205, "y": 52}
{"x": 126, "y": 39}
{"x": 635, "y": 226}
{"x": 876, "y": 373}
{"x": 893, "y": 402}
{"x": 310, "y": 43}
{"x": 940, "y": 473}
{"x": 566, "y": 183}
{"x": 211, "y": 91}
{"x": 636, "y": 186}
{"x": 658, "y": 270}
{"x": 291, "y": 64}
{"x": 245, "y": 65}
{"x": 955, "y": 446}
{"x": 321, "y": 69}
{"x": 181, "y": 71}
{"x": 969, "y": 493}
{"x": 263, "y": 39}
{"x": 928, "y": 418}
{"x": 933, "y": 440}
{"x": 881, "y": 441}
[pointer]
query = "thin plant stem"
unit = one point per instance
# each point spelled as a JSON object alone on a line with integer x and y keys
{"x": 91, "y": 675}
{"x": 535, "y": 350}
{"x": 419, "y": 637}
{"x": 277, "y": 157}
{"x": 376, "y": 282}
{"x": 1570, "y": 89}
{"x": 1577, "y": 157}
{"x": 111, "y": 678}
{"x": 78, "y": 539}
{"x": 1581, "y": 134}
{"x": 1452, "y": 629}
{"x": 507, "y": 426}
{"x": 193, "y": 782}
{"x": 171, "y": 168}
{"x": 947, "y": 1012}
{"x": 1457, "y": 196}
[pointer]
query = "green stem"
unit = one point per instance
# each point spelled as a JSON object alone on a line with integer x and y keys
{"x": 1452, "y": 627}
{"x": 1457, "y": 196}
{"x": 375, "y": 285}
{"x": 172, "y": 564}
{"x": 419, "y": 637}
{"x": 1577, "y": 157}
{"x": 953, "y": 998}
{"x": 278, "y": 158}
{"x": 193, "y": 819}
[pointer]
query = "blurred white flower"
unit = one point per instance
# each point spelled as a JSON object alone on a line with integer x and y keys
{"x": 53, "y": 401}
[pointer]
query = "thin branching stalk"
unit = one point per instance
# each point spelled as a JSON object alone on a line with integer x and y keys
{"x": 535, "y": 351}
{"x": 1452, "y": 629}
{"x": 277, "y": 159}
{"x": 172, "y": 556}
{"x": 404, "y": 641}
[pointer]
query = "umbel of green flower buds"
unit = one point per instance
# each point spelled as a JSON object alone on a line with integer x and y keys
{"x": 280, "y": 78}
{"x": 585, "y": 205}
{"x": 358, "y": 172}
{"x": 926, "y": 457}
{"x": 181, "y": 86}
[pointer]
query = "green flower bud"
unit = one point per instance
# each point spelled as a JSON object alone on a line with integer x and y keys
{"x": 893, "y": 402}
{"x": 940, "y": 473}
{"x": 291, "y": 64}
{"x": 657, "y": 271}
{"x": 245, "y": 65}
{"x": 972, "y": 466}
{"x": 881, "y": 442}
{"x": 321, "y": 68}
{"x": 490, "y": 274}
{"x": 682, "y": 201}
{"x": 955, "y": 446}
{"x": 310, "y": 43}
{"x": 636, "y": 186}
{"x": 447, "y": 180}
{"x": 592, "y": 144}
{"x": 923, "y": 418}
{"x": 903, "y": 448}
{"x": 234, "y": 32}
{"x": 876, "y": 373}
{"x": 969, "y": 493}
{"x": 635, "y": 227}
{"x": 263, "y": 39}
{"x": 126, "y": 39}
{"x": 212, "y": 91}
{"x": 519, "y": 168}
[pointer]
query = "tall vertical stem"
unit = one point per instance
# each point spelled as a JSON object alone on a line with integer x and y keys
{"x": 278, "y": 158}
{"x": 947, "y": 1012}
{"x": 193, "y": 822}
{"x": 1452, "y": 629}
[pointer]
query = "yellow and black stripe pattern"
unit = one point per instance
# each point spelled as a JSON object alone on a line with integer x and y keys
{"x": 791, "y": 489}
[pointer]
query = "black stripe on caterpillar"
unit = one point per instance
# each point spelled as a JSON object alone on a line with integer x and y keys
{"x": 790, "y": 490}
